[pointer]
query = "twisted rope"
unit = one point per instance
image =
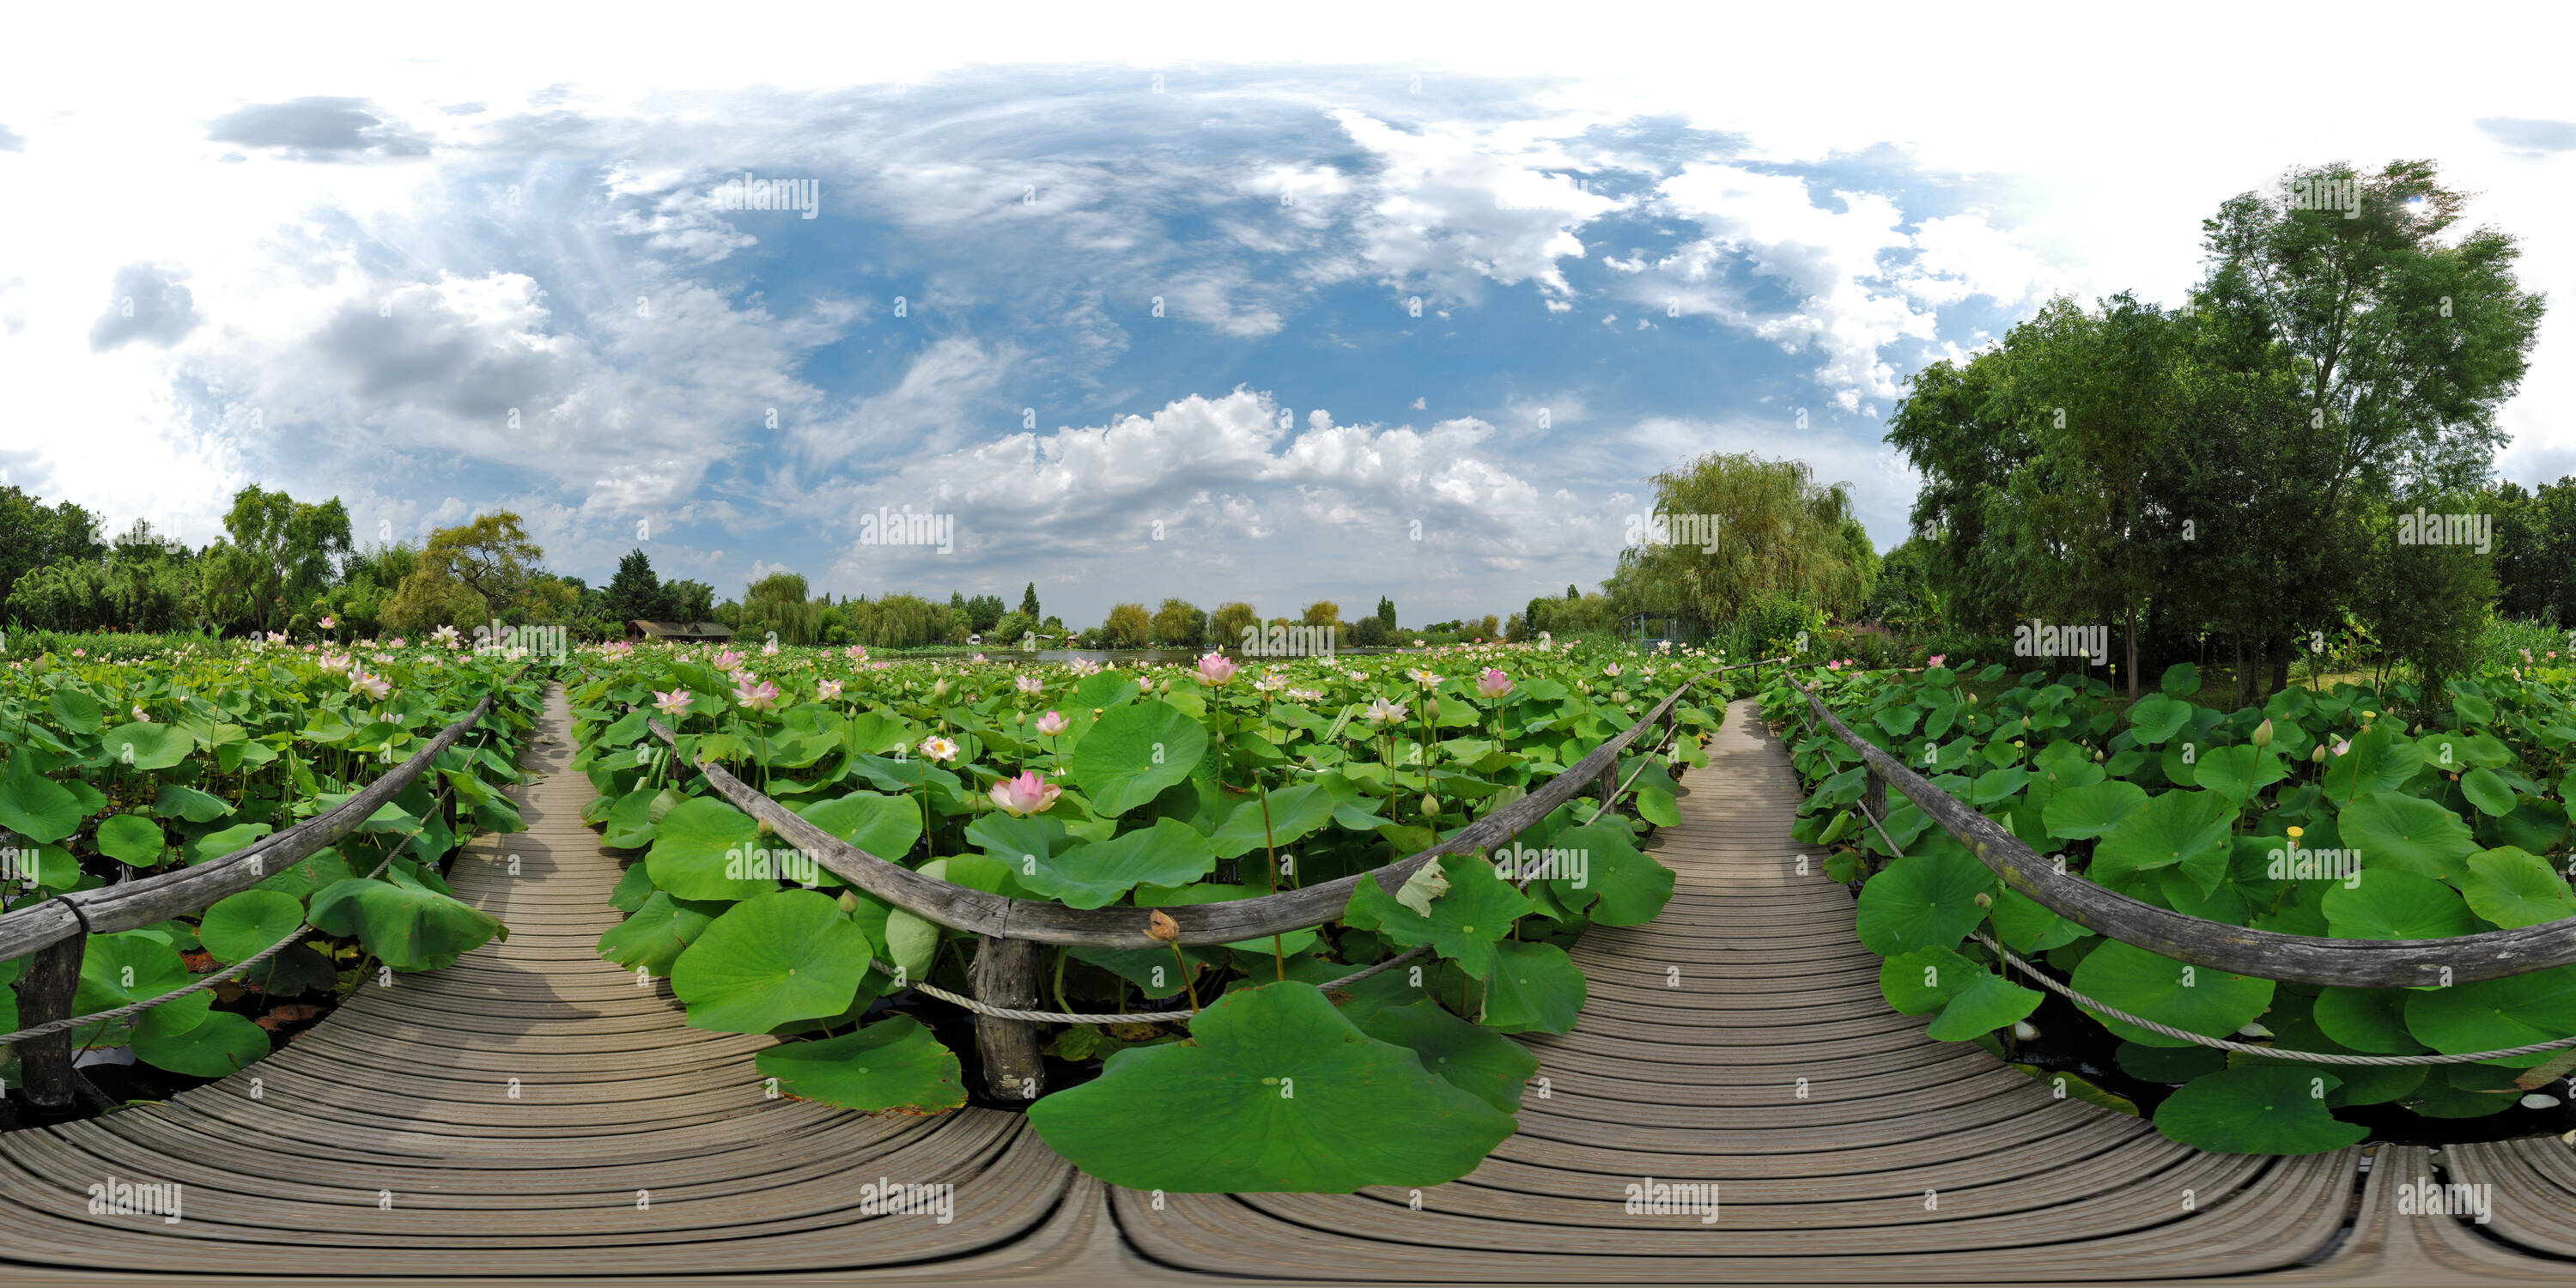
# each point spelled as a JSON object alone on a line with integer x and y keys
{"x": 2248, "y": 1048}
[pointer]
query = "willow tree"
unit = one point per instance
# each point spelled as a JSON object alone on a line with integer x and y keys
{"x": 1739, "y": 530}
{"x": 778, "y": 603}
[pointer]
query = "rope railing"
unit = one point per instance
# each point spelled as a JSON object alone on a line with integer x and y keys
{"x": 2198, "y": 941}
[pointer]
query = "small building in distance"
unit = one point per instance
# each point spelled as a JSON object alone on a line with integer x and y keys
{"x": 679, "y": 632}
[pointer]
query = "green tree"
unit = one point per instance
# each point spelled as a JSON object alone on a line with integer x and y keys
{"x": 1777, "y": 529}
{"x": 471, "y": 572}
{"x": 1180, "y": 624}
{"x": 1129, "y": 626}
{"x": 1386, "y": 613}
{"x": 1322, "y": 612}
{"x": 1029, "y": 602}
{"x": 1229, "y": 622}
{"x": 636, "y": 593}
{"x": 290, "y": 548}
{"x": 691, "y": 601}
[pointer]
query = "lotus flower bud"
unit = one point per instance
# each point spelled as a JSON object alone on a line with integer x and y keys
{"x": 2263, "y": 734}
{"x": 1430, "y": 806}
{"x": 1159, "y": 925}
{"x": 2319, "y": 754}
{"x": 849, "y": 901}
{"x": 766, "y": 829}
{"x": 1985, "y": 900}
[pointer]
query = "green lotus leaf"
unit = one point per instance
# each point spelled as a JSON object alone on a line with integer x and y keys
{"x": 2466, "y": 1091}
{"x": 301, "y": 879}
{"x": 2078, "y": 813}
{"x": 2537, "y": 824}
{"x": 885, "y": 826}
{"x": 74, "y": 710}
{"x": 783, "y": 956}
{"x": 1476, "y": 1060}
{"x": 33, "y": 805}
{"x": 242, "y": 926}
{"x": 2512, "y": 888}
{"x": 2488, "y": 793}
{"x": 2379, "y": 761}
{"x": 2025, "y": 927}
{"x": 1535, "y": 988}
{"x": 1622, "y": 885}
{"x": 2453, "y": 752}
{"x": 131, "y": 838}
{"x": 2367, "y": 1019}
{"x": 630, "y": 822}
{"x": 2238, "y": 772}
{"x": 2181, "y": 680}
{"x": 2195, "y": 999}
{"x": 694, "y": 843}
{"x": 1972, "y": 1000}
{"x": 654, "y": 935}
{"x": 1656, "y": 806}
{"x": 2158, "y": 717}
{"x": 2185, "y": 829}
{"x": 1274, "y": 1092}
{"x": 219, "y": 1044}
{"x": 216, "y": 844}
{"x": 1924, "y": 900}
{"x": 2386, "y": 903}
{"x": 1464, "y": 923}
{"x": 1093, "y": 874}
{"x": 175, "y": 801}
{"x": 2267, "y": 1109}
{"x": 1133, "y": 752}
{"x": 2409, "y": 834}
{"x": 120, "y": 970}
{"x": 145, "y": 746}
{"x": 1925, "y": 979}
{"x": 408, "y": 927}
{"x": 1102, "y": 689}
{"x": 2494, "y": 1014}
{"x": 1998, "y": 785}
{"x": 1293, "y": 812}
{"x": 894, "y": 1065}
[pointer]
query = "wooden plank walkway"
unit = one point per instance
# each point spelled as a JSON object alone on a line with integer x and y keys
{"x": 386, "y": 1141}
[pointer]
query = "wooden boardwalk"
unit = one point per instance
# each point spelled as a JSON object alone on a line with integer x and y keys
{"x": 387, "y": 1141}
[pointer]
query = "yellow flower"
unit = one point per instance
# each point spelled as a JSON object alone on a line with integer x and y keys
{"x": 2297, "y": 832}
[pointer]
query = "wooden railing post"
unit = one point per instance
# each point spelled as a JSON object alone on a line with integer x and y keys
{"x": 53, "y": 976}
{"x": 1006, "y": 974}
{"x": 1873, "y": 796}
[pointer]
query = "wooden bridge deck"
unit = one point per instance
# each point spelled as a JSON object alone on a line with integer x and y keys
{"x": 385, "y": 1142}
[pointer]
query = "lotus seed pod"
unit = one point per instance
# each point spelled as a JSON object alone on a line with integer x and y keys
{"x": 2263, "y": 734}
{"x": 1161, "y": 926}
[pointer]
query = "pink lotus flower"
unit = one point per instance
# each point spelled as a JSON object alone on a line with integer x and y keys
{"x": 828, "y": 690}
{"x": 675, "y": 703}
{"x": 2342, "y": 746}
{"x": 938, "y": 748}
{"x": 1215, "y": 668}
{"x": 1053, "y": 723}
{"x": 1026, "y": 794}
{"x": 1382, "y": 711}
{"x": 769, "y": 649}
{"x": 373, "y": 686}
{"x": 1938, "y": 658}
{"x": 1029, "y": 684}
{"x": 398, "y": 642}
{"x": 728, "y": 660}
{"x": 139, "y": 717}
{"x": 329, "y": 622}
{"x": 855, "y": 653}
{"x": 79, "y": 653}
{"x": 1833, "y": 666}
{"x": 757, "y": 697}
{"x": 977, "y": 658}
{"x": 1611, "y": 670}
{"x": 1492, "y": 683}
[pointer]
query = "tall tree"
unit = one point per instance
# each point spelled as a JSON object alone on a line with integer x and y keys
{"x": 1029, "y": 602}
{"x": 636, "y": 593}
{"x": 291, "y": 549}
{"x": 1776, "y": 531}
{"x": 470, "y": 572}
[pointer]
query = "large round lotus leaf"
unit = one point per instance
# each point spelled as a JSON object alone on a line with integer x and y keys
{"x": 2536, "y": 824}
{"x": 2494, "y": 1014}
{"x": 120, "y": 970}
{"x": 2025, "y": 927}
{"x": 1133, "y": 752}
{"x": 1535, "y": 988}
{"x": 2511, "y": 889}
{"x": 1630, "y": 887}
{"x": 1274, "y": 1092}
{"x": 892, "y": 1066}
{"x": 1926, "y": 900}
{"x": 2385, "y": 903}
{"x": 301, "y": 879}
{"x": 242, "y": 926}
{"x": 1292, "y": 813}
{"x": 2409, "y": 834}
{"x": 1473, "y": 1058}
{"x": 2092, "y": 810}
{"x": 2367, "y": 1019}
{"x": 409, "y": 927}
{"x": 2158, "y": 717}
{"x": 2185, "y": 829}
{"x": 2195, "y": 999}
{"x": 74, "y": 710}
{"x": 34, "y": 806}
{"x": 220, "y": 1044}
{"x": 1464, "y": 921}
{"x": 2262, "y": 1110}
{"x": 693, "y": 843}
{"x": 145, "y": 746}
{"x": 1972, "y": 1000}
{"x": 653, "y": 935}
{"x": 2492, "y": 796}
{"x": 216, "y": 844}
{"x": 131, "y": 838}
{"x": 2466, "y": 1091}
{"x": 1090, "y": 875}
{"x": 885, "y": 826}
{"x": 2238, "y": 772}
{"x": 787, "y": 955}
{"x": 2181, "y": 680}
{"x": 630, "y": 820}
{"x": 2452, "y": 752}
{"x": 2379, "y": 761}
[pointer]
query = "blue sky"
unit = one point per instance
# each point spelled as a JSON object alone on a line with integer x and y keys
{"x": 1323, "y": 327}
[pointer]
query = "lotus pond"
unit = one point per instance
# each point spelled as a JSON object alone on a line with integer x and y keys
{"x": 2318, "y": 813}
{"x": 127, "y": 768}
{"x": 1147, "y": 788}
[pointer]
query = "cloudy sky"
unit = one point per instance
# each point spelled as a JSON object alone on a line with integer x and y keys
{"x": 1322, "y": 302}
